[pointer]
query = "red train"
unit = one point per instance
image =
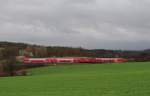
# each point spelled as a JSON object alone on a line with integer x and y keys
{"x": 73, "y": 60}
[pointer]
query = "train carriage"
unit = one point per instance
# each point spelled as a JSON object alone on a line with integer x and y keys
{"x": 74, "y": 60}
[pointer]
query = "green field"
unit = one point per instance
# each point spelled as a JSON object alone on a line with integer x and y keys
{"x": 126, "y": 79}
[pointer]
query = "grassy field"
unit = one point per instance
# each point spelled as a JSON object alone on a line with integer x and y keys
{"x": 126, "y": 79}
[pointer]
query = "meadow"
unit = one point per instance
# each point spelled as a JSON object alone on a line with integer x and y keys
{"x": 116, "y": 79}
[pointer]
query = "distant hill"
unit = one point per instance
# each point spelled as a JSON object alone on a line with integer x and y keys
{"x": 12, "y": 48}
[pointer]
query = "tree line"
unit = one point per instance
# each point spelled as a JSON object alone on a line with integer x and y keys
{"x": 9, "y": 49}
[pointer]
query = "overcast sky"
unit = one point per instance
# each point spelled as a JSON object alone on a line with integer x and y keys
{"x": 92, "y": 24}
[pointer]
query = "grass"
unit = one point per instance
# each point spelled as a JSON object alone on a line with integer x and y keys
{"x": 126, "y": 79}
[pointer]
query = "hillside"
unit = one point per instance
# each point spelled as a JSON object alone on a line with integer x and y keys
{"x": 15, "y": 49}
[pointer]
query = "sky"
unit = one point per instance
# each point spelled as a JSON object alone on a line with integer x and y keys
{"x": 91, "y": 24}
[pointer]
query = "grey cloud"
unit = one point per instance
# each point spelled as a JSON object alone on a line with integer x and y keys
{"x": 115, "y": 24}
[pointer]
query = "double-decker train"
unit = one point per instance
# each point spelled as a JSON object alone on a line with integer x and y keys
{"x": 73, "y": 60}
